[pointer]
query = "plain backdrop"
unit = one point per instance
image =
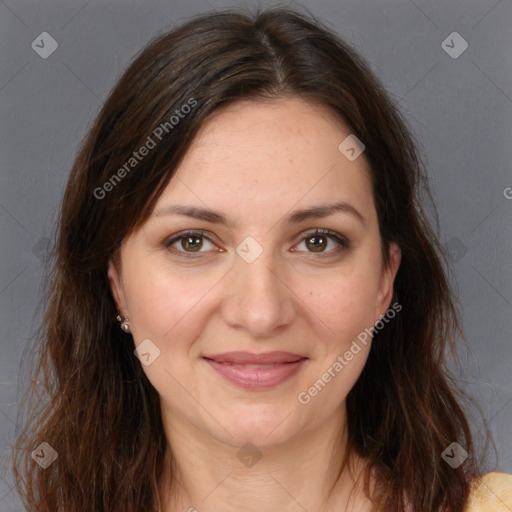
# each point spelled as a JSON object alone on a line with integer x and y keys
{"x": 457, "y": 101}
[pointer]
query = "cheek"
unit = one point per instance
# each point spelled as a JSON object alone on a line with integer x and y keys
{"x": 343, "y": 305}
{"x": 169, "y": 310}
{"x": 343, "y": 309}
{"x": 162, "y": 304}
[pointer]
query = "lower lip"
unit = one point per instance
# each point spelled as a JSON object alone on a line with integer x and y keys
{"x": 256, "y": 378}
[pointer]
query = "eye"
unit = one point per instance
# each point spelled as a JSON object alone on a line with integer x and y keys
{"x": 321, "y": 241}
{"x": 325, "y": 242}
{"x": 188, "y": 242}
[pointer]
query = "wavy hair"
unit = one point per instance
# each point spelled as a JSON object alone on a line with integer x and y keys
{"x": 89, "y": 398}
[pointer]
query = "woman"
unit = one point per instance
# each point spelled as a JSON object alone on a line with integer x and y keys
{"x": 248, "y": 307}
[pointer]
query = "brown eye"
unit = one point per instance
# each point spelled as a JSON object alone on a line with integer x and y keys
{"x": 316, "y": 243}
{"x": 192, "y": 243}
{"x": 324, "y": 242}
{"x": 189, "y": 243}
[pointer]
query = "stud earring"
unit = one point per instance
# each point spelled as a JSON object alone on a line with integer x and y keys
{"x": 125, "y": 324}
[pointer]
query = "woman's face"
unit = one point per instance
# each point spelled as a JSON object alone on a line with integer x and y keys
{"x": 254, "y": 278}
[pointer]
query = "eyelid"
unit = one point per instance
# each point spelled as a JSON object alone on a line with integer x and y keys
{"x": 326, "y": 232}
{"x": 182, "y": 234}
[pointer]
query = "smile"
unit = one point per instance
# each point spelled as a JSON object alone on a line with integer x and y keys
{"x": 256, "y": 371}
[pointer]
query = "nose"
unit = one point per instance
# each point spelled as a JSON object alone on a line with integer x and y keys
{"x": 258, "y": 298}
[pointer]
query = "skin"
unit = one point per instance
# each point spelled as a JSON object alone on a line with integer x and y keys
{"x": 256, "y": 163}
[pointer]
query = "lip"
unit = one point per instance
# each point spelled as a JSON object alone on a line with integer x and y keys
{"x": 251, "y": 371}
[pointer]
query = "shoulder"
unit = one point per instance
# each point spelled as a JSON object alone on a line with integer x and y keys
{"x": 492, "y": 492}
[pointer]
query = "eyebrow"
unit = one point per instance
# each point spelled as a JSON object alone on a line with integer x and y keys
{"x": 314, "y": 212}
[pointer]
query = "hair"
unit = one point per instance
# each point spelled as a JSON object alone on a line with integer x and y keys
{"x": 97, "y": 408}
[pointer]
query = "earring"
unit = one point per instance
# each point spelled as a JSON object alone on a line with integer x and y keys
{"x": 125, "y": 324}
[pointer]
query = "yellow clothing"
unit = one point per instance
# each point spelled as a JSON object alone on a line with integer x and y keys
{"x": 491, "y": 493}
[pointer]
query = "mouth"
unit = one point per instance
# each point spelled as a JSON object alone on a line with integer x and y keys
{"x": 256, "y": 371}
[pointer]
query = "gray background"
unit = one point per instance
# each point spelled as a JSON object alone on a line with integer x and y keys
{"x": 458, "y": 108}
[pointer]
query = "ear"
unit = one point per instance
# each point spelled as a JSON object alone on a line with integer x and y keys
{"x": 386, "y": 281}
{"x": 116, "y": 287}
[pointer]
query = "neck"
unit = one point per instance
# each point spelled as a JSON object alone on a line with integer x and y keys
{"x": 307, "y": 472}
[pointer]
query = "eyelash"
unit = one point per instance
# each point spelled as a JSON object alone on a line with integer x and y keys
{"x": 343, "y": 242}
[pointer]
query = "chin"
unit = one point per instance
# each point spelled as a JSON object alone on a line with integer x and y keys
{"x": 264, "y": 427}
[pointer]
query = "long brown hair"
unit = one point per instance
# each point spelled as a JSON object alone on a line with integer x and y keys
{"x": 98, "y": 410}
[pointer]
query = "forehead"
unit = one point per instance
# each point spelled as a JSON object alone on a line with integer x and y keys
{"x": 270, "y": 155}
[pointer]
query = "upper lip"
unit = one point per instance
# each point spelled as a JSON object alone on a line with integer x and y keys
{"x": 278, "y": 357}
